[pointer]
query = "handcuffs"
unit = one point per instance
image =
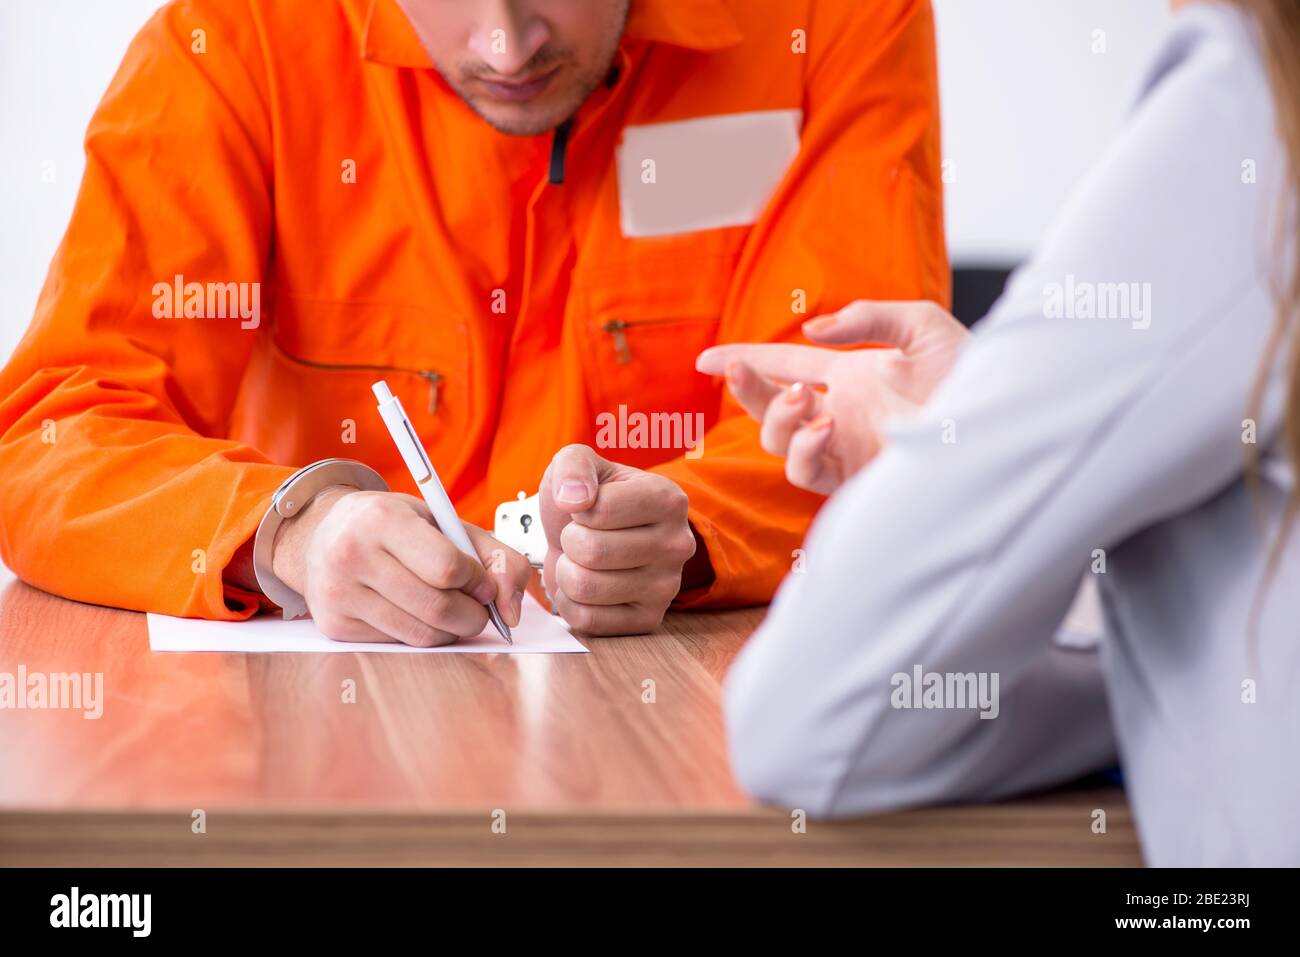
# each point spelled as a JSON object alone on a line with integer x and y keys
{"x": 517, "y": 524}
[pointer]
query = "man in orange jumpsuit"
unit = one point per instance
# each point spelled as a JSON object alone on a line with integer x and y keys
{"x": 528, "y": 216}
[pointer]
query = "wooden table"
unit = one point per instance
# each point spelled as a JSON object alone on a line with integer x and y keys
{"x": 435, "y": 755}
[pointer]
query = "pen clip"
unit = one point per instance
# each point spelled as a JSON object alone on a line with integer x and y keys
{"x": 418, "y": 450}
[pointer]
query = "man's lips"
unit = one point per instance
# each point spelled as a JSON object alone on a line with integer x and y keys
{"x": 519, "y": 91}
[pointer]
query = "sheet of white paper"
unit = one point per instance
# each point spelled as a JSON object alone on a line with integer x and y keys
{"x": 539, "y": 632}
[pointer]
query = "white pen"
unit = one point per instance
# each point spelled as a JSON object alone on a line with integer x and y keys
{"x": 426, "y": 479}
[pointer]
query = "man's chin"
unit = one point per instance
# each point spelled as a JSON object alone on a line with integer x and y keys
{"x": 523, "y": 119}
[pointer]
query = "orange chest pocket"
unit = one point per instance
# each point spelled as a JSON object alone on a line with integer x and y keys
{"x": 307, "y": 396}
{"x": 639, "y": 325}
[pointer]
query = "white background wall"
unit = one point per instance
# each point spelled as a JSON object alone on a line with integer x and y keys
{"x": 1027, "y": 106}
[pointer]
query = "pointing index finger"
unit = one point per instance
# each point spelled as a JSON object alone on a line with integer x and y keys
{"x": 782, "y": 362}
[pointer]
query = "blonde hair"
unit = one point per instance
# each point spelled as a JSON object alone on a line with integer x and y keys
{"x": 1278, "y": 23}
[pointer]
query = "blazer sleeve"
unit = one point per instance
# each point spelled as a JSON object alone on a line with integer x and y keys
{"x": 1066, "y": 427}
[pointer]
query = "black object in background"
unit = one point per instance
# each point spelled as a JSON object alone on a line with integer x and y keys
{"x": 975, "y": 289}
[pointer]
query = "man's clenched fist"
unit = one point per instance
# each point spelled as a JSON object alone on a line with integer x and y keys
{"x": 618, "y": 539}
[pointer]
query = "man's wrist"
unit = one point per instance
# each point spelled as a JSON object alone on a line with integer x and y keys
{"x": 289, "y": 548}
{"x": 296, "y": 496}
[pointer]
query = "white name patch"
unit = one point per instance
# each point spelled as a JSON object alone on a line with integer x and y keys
{"x": 703, "y": 173}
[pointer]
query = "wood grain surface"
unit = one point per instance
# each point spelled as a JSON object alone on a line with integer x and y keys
{"x": 563, "y": 750}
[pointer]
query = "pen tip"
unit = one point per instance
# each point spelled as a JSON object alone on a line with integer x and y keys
{"x": 499, "y": 623}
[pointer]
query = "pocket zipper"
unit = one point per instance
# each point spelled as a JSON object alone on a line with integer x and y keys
{"x": 431, "y": 376}
{"x": 617, "y": 331}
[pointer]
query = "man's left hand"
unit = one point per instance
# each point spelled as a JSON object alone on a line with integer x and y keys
{"x": 618, "y": 539}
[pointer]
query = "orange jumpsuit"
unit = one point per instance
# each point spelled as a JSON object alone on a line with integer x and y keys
{"x": 309, "y": 151}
